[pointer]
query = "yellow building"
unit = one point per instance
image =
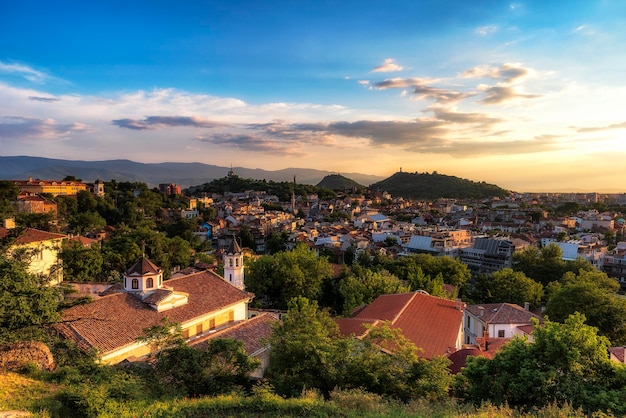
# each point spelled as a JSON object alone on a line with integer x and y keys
{"x": 42, "y": 249}
{"x": 53, "y": 187}
{"x": 201, "y": 302}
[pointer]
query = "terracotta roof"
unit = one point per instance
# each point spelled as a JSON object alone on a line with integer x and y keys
{"x": 143, "y": 267}
{"x": 503, "y": 313}
{"x": 30, "y": 235}
{"x": 431, "y": 323}
{"x": 619, "y": 353}
{"x": 157, "y": 295}
{"x": 118, "y": 319}
{"x": 354, "y": 326}
{"x": 253, "y": 333}
{"x": 84, "y": 240}
{"x": 459, "y": 358}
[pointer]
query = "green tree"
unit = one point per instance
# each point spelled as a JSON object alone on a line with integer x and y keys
{"x": 8, "y": 194}
{"x": 276, "y": 279}
{"x": 81, "y": 264}
{"x": 600, "y": 304}
{"x": 86, "y": 221}
{"x": 509, "y": 286}
{"x": 25, "y": 299}
{"x": 307, "y": 350}
{"x": 245, "y": 236}
{"x": 362, "y": 286}
{"x": 543, "y": 265}
{"x": 385, "y": 362}
{"x": 41, "y": 221}
{"x": 566, "y": 363}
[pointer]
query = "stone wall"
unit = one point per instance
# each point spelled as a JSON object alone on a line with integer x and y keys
{"x": 15, "y": 357}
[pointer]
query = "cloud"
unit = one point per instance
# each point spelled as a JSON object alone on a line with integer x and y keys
{"x": 501, "y": 94}
{"x": 25, "y": 71}
{"x": 251, "y": 142}
{"x": 621, "y": 125}
{"x": 423, "y": 91}
{"x": 17, "y": 127}
{"x": 388, "y": 66}
{"x": 44, "y": 99}
{"x": 480, "y": 119}
{"x": 507, "y": 72}
{"x": 157, "y": 122}
{"x": 485, "y": 30}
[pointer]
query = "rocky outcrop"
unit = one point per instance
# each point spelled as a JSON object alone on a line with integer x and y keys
{"x": 17, "y": 356}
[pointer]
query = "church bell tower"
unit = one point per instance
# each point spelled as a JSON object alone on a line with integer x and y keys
{"x": 233, "y": 265}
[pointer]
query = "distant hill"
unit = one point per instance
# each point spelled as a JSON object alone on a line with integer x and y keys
{"x": 183, "y": 174}
{"x": 434, "y": 186}
{"x": 338, "y": 182}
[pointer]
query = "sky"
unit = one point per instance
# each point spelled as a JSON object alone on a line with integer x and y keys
{"x": 528, "y": 95}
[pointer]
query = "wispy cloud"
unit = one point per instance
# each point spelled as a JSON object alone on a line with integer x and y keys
{"x": 388, "y": 66}
{"x": 502, "y": 94}
{"x": 485, "y": 30}
{"x": 507, "y": 72}
{"x": 158, "y": 122}
{"x": 18, "y": 127}
{"x": 44, "y": 99}
{"x": 621, "y": 125}
{"x": 422, "y": 90}
{"x": 25, "y": 72}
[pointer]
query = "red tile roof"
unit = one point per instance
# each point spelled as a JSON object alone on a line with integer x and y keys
{"x": 354, "y": 326}
{"x": 253, "y": 333}
{"x": 116, "y": 320}
{"x": 431, "y": 323}
{"x": 459, "y": 358}
{"x": 30, "y": 235}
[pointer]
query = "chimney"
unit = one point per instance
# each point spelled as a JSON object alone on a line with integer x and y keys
{"x": 481, "y": 311}
{"x": 527, "y": 306}
{"x": 459, "y": 304}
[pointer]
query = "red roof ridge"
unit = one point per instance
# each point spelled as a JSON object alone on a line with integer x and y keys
{"x": 399, "y": 314}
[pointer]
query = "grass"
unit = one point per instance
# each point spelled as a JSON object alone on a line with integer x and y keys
{"x": 21, "y": 393}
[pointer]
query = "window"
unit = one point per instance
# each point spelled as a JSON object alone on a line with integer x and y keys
{"x": 135, "y": 284}
{"x": 185, "y": 333}
{"x": 212, "y": 323}
{"x": 230, "y": 262}
{"x": 160, "y": 280}
{"x": 500, "y": 333}
{"x": 199, "y": 329}
{"x": 236, "y": 262}
{"x": 230, "y": 277}
{"x": 149, "y": 283}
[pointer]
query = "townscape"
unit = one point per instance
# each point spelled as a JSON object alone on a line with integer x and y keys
{"x": 279, "y": 288}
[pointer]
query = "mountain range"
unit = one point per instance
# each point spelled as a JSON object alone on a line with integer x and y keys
{"x": 183, "y": 174}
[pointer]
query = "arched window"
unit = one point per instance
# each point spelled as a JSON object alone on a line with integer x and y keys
{"x": 230, "y": 262}
{"x": 230, "y": 277}
{"x": 135, "y": 284}
{"x": 160, "y": 280}
{"x": 149, "y": 283}
{"x": 237, "y": 262}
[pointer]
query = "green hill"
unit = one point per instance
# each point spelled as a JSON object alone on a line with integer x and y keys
{"x": 434, "y": 186}
{"x": 338, "y": 182}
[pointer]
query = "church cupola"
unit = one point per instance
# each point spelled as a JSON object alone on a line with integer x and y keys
{"x": 143, "y": 276}
{"x": 233, "y": 265}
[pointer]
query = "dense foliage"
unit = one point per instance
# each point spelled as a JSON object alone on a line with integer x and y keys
{"x": 435, "y": 186}
{"x": 566, "y": 363}
{"x": 283, "y": 189}
{"x": 339, "y": 182}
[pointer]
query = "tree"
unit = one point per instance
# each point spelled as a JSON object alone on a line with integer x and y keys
{"x": 8, "y": 194}
{"x": 276, "y": 279}
{"x": 566, "y": 363}
{"x": 385, "y": 362}
{"x": 307, "y": 351}
{"x": 246, "y": 237}
{"x": 25, "y": 299}
{"x": 81, "y": 264}
{"x": 599, "y": 303}
{"x": 362, "y": 286}
{"x": 509, "y": 286}
{"x": 41, "y": 221}
{"x": 421, "y": 269}
{"x": 86, "y": 221}
{"x": 543, "y": 265}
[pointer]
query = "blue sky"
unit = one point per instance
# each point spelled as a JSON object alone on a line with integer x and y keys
{"x": 524, "y": 94}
